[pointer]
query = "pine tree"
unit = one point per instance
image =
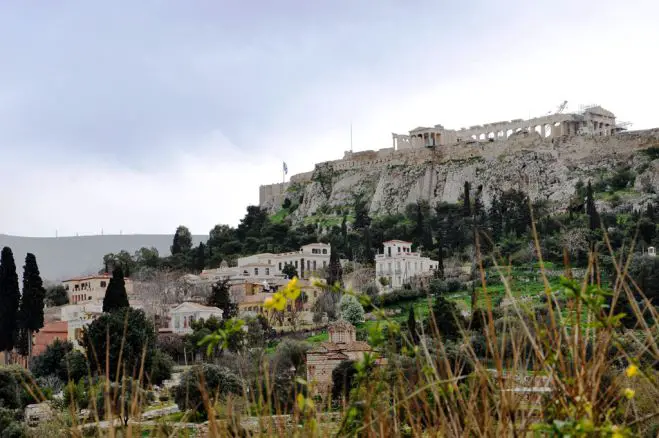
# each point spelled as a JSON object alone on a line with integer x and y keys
{"x": 32, "y": 300}
{"x": 116, "y": 297}
{"x": 10, "y": 297}
{"x": 220, "y": 297}
{"x": 182, "y": 242}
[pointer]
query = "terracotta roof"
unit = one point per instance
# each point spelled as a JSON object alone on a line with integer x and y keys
{"x": 356, "y": 346}
{"x": 331, "y": 347}
{"x": 89, "y": 277}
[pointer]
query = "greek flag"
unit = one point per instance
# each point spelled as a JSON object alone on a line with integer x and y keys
{"x": 285, "y": 168}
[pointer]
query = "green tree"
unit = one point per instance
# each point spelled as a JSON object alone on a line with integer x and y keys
{"x": 32, "y": 301}
{"x": 10, "y": 297}
{"x": 466, "y": 200}
{"x": 200, "y": 257}
{"x": 61, "y": 360}
{"x": 127, "y": 328}
{"x": 289, "y": 271}
{"x": 56, "y": 296}
{"x": 205, "y": 380}
{"x": 351, "y": 310}
{"x": 444, "y": 318}
{"x": 161, "y": 367}
{"x": 116, "y": 297}
{"x": 220, "y": 297}
{"x": 147, "y": 257}
{"x": 182, "y": 242}
{"x": 411, "y": 326}
{"x": 334, "y": 271}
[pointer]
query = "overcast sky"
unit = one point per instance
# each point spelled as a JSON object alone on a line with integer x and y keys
{"x": 142, "y": 115}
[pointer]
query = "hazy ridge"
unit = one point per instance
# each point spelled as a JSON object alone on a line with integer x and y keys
{"x": 61, "y": 257}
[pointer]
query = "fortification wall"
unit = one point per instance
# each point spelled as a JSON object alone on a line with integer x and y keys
{"x": 575, "y": 147}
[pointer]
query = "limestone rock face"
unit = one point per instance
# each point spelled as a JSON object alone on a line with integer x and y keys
{"x": 547, "y": 169}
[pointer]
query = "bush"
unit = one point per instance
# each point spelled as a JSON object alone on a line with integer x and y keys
{"x": 217, "y": 382}
{"x": 351, "y": 310}
{"x": 398, "y": 296}
{"x": 161, "y": 367}
{"x": 13, "y": 391}
{"x": 49, "y": 363}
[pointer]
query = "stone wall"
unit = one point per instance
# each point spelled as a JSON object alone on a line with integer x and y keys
{"x": 543, "y": 166}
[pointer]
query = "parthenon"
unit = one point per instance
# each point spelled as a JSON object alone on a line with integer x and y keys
{"x": 593, "y": 120}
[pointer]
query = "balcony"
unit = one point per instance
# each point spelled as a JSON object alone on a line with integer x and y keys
{"x": 397, "y": 254}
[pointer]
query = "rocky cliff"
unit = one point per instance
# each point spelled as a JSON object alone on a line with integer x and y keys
{"x": 547, "y": 169}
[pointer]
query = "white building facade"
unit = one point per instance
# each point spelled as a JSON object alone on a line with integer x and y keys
{"x": 308, "y": 260}
{"x": 183, "y": 315}
{"x": 398, "y": 263}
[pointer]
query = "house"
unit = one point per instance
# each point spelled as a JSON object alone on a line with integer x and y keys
{"x": 342, "y": 345}
{"x": 91, "y": 288}
{"x": 48, "y": 334}
{"x": 307, "y": 261}
{"x": 398, "y": 264}
{"x": 181, "y": 316}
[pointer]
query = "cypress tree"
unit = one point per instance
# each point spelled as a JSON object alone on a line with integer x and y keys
{"x": 220, "y": 297}
{"x": 32, "y": 300}
{"x": 116, "y": 297}
{"x": 411, "y": 326}
{"x": 335, "y": 271}
{"x": 10, "y": 297}
{"x": 466, "y": 207}
{"x": 594, "y": 220}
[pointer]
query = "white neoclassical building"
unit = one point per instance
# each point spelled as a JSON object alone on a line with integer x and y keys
{"x": 308, "y": 260}
{"x": 398, "y": 263}
{"x": 184, "y": 314}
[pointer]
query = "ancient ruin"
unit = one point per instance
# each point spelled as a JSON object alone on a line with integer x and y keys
{"x": 493, "y": 139}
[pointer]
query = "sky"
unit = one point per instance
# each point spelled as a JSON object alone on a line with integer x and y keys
{"x": 137, "y": 117}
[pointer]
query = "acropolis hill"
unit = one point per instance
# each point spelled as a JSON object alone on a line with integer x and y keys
{"x": 543, "y": 156}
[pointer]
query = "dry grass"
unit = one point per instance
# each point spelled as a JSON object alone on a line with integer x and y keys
{"x": 577, "y": 352}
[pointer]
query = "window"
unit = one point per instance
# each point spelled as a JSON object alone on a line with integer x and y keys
{"x": 324, "y": 264}
{"x": 314, "y": 265}
{"x": 296, "y": 264}
{"x": 267, "y": 271}
{"x": 324, "y": 251}
{"x": 256, "y": 271}
{"x": 399, "y": 249}
{"x": 280, "y": 266}
{"x": 103, "y": 284}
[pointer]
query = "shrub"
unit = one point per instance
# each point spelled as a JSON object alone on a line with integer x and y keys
{"x": 49, "y": 363}
{"x": 161, "y": 367}
{"x": 14, "y": 382}
{"x": 351, "y": 310}
{"x": 215, "y": 381}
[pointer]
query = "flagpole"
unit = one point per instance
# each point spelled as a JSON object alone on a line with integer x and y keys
{"x": 350, "y": 136}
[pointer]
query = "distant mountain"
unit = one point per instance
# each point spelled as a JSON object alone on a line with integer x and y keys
{"x": 62, "y": 257}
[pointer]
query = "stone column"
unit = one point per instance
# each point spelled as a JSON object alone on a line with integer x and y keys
{"x": 393, "y": 141}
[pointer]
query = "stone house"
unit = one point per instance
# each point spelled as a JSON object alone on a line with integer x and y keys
{"x": 342, "y": 345}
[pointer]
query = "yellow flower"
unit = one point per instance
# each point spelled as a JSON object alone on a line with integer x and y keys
{"x": 292, "y": 290}
{"x": 629, "y": 393}
{"x": 631, "y": 371}
{"x": 276, "y": 302}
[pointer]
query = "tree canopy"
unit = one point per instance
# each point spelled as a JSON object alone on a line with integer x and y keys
{"x": 10, "y": 297}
